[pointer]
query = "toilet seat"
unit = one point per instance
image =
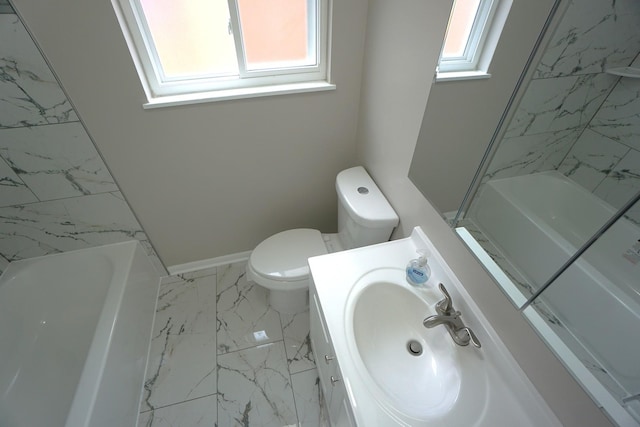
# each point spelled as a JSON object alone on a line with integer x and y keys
{"x": 280, "y": 262}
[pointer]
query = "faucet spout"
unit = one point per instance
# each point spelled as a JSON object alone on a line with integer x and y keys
{"x": 450, "y": 318}
{"x": 441, "y": 319}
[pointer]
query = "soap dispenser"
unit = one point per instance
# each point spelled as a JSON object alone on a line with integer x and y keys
{"x": 418, "y": 271}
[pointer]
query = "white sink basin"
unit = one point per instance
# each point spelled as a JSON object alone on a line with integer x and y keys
{"x": 417, "y": 369}
{"x": 369, "y": 314}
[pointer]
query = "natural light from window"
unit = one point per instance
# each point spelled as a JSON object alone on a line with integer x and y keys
{"x": 195, "y": 46}
{"x": 472, "y": 35}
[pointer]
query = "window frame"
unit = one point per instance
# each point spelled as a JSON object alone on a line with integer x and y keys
{"x": 161, "y": 90}
{"x": 481, "y": 43}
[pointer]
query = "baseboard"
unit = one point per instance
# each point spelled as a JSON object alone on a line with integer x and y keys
{"x": 208, "y": 263}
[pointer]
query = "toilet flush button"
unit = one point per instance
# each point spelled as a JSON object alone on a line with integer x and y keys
{"x": 363, "y": 190}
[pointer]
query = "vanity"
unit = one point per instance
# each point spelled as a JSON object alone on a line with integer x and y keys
{"x": 379, "y": 365}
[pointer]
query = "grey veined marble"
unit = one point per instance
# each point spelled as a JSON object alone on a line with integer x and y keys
{"x": 55, "y": 161}
{"x": 61, "y": 225}
{"x": 593, "y": 36}
{"x": 560, "y": 103}
{"x": 29, "y": 93}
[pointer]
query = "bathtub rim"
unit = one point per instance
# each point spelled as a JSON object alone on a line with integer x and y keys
{"x": 123, "y": 256}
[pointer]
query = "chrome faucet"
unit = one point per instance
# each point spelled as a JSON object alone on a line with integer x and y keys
{"x": 450, "y": 318}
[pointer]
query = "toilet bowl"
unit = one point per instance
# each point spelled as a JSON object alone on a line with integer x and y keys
{"x": 279, "y": 263}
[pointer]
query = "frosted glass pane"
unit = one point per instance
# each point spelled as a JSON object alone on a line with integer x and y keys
{"x": 191, "y": 37}
{"x": 276, "y": 33}
{"x": 460, "y": 24}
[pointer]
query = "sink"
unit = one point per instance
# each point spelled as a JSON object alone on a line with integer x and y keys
{"x": 415, "y": 370}
{"x": 378, "y": 364}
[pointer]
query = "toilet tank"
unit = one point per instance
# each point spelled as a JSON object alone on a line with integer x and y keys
{"x": 365, "y": 217}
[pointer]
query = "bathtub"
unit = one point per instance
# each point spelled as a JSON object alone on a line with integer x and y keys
{"x": 545, "y": 214}
{"x": 75, "y": 330}
{"x": 538, "y": 222}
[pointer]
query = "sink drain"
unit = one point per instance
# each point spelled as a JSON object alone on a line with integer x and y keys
{"x": 414, "y": 348}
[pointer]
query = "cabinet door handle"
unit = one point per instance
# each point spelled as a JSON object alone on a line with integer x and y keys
{"x": 334, "y": 380}
{"x": 328, "y": 358}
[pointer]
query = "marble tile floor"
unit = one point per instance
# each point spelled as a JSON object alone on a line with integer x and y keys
{"x": 220, "y": 356}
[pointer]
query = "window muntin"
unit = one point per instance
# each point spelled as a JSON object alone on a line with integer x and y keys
{"x": 246, "y": 46}
{"x": 469, "y": 24}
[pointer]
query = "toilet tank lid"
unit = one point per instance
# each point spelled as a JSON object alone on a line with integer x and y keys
{"x": 363, "y": 199}
{"x": 284, "y": 256}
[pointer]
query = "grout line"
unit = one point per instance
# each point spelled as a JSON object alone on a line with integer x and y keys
{"x": 177, "y": 403}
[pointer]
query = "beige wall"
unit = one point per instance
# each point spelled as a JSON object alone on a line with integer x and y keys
{"x": 407, "y": 34}
{"x": 210, "y": 179}
{"x": 461, "y": 116}
{"x": 213, "y": 179}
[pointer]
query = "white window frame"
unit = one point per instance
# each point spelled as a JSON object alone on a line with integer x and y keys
{"x": 164, "y": 91}
{"x": 481, "y": 44}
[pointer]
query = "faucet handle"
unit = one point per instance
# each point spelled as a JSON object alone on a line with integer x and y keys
{"x": 472, "y": 337}
{"x": 444, "y": 306}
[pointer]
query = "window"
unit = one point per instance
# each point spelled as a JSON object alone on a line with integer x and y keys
{"x": 472, "y": 35}
{"x": 194, "y": 50}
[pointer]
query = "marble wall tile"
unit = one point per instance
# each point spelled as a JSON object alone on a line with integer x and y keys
{"x": 245, "y": 318}
{"x": 254, "y": 388}
{"x": 182, "y": 358}
{"x": 522, "y": 155}
{"x": 591, "y": 159}
{"x": 623, "y": 182}
{"x": 202, "y": 412}
{"x": 592, "y": 36}
{"x": 56, "y": 161}
{"x": 61, "y": 225}
{"x": 619, "y": 116}
{"x": 5, "y": 7}
{"x": 560, "y": 103}
{"x": 13, "y": 191}
{"x": 29, "y": 93}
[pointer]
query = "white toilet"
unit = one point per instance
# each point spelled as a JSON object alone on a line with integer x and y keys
{"x": 279, "y": 263}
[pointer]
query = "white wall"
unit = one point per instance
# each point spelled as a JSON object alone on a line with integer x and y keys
{"x": 402, "y": 47}
{"x": 461, "y": 116}
{"x": 209, "y": 179}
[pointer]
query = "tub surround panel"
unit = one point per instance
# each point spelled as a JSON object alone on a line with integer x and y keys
{"x": 544, "y": 152}
{"x": 594, "y": 117}
{"x": 619, "y": 116}
{"x": 13, "y": 191}
{"x": 623, "y": 182}
{"x": 603, "y": 34}
{"x": 56, "y": 193}
{"x": 591, "y": 159}
{"x": 56, "y": 161}
{"x": 189, "y": 382}
{"x": 62, "y": 225}
{"x": 29, "y": 93}
{"x": 560, "y": 103}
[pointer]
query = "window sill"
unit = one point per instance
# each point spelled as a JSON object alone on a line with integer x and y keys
{"x": 229, "y": 94}
{"x": 461, "y": 75}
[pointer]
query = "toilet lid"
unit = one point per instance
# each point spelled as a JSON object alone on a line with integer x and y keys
{"x": 283, "y": 256}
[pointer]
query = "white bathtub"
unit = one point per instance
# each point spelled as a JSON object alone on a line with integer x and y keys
{"x": 538, "y": 221}
{"x": 545, "y": 214}
{"x": 74, "y": 332}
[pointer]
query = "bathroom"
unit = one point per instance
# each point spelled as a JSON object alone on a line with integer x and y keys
{"x": 210, "y": 180}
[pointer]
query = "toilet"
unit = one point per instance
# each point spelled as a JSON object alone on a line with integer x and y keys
{"x": 279, "y": 263}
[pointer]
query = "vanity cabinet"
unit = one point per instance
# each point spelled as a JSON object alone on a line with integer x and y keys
{"x": 331, "y": 381}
